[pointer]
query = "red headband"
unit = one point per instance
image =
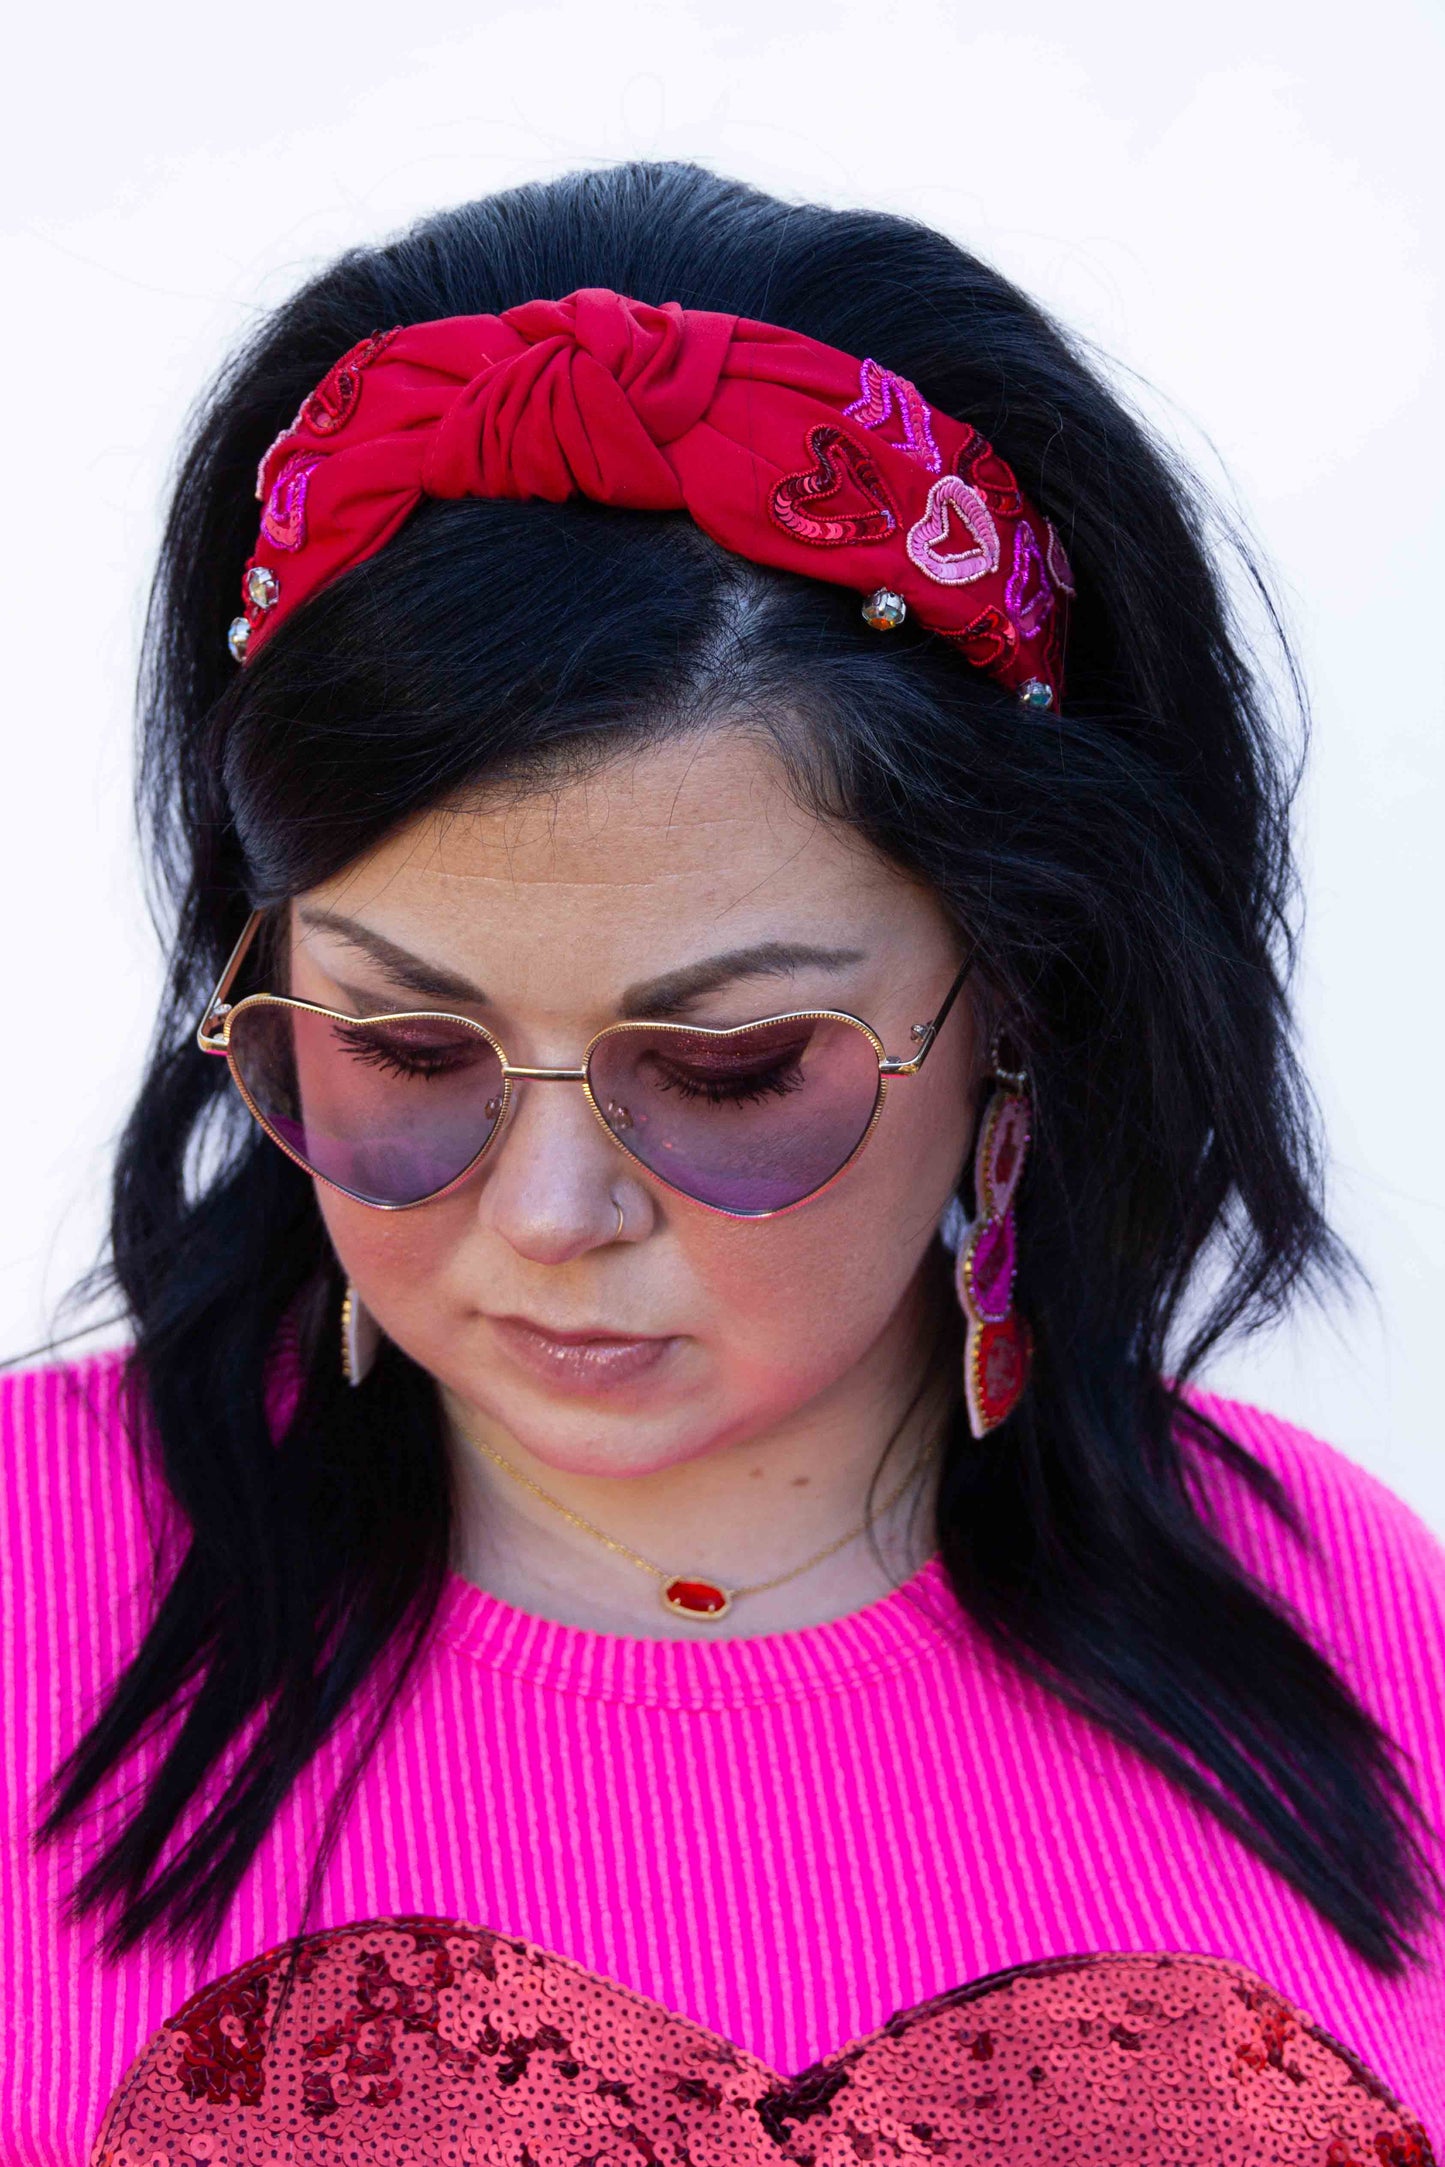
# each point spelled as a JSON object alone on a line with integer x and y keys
{"x": 786, "y": 452}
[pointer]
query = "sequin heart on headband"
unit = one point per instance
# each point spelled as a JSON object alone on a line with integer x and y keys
{"x": 786, "y": 452}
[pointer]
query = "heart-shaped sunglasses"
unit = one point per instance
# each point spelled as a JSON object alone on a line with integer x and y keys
{"x": 397, "y": 1109}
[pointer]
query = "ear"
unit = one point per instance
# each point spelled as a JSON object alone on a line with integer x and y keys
{"x": 955, "y": 1226}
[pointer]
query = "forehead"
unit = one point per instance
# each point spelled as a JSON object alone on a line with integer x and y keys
{"x": 691, "y": 836}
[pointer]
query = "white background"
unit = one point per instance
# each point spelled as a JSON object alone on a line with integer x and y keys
{"x": 1243, "y": 204}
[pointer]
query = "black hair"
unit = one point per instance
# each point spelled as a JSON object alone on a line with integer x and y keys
{"x": 1125, "y": 866}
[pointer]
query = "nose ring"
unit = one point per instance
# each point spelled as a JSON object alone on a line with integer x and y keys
{"x": 620, "y": 1219}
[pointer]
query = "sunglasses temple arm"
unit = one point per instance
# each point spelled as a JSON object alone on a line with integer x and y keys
{"x": 211, "y": 1032}
{"x": 928, "y": 1032}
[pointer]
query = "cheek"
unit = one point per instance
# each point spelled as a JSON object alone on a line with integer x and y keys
{"x": 814, "y": 1287}
{"x": 397, "y": 1255}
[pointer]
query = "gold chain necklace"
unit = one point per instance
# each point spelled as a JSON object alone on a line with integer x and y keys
{"x": 687, "y": 1594}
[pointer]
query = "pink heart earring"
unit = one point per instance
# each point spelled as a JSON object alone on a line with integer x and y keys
{"x": 998, "y": 1346}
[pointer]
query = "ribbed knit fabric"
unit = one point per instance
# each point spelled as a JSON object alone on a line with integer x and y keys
{"x": 786, "y": 1839}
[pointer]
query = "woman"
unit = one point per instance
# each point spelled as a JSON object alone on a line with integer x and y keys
{"x": 653, "y": 1585}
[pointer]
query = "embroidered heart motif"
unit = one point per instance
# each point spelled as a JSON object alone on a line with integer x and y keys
{"x": 991, "y": 476}
{"x": 430, "y": 2042}
{"x": 283, "y": 522}
{"x": 952, "y": 498}
{"x": 1028, "y": 595}
{"x": 1060, "y": 570}
{"x": 996, "y": 1369}
{"x": 989, "y": 640}
{"x": 333, "y": 402}
{"x": 1002, "y": 1149}
{"x": 882, "y": 393}
{"x": 837, "y": 459}
{"x": 985, "y": 1275}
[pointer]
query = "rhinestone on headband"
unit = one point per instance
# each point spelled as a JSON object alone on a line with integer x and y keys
{"x": 1036, "y": 693}
{"x": 238, "y": 638}
{"x": 263, "y": 588}
{"x": 884, "y": 610}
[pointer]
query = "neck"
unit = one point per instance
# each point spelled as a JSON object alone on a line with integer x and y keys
{"x": 744, "y": 1511}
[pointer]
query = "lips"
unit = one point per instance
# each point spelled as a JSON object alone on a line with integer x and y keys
{"x": 579, "y": 1362}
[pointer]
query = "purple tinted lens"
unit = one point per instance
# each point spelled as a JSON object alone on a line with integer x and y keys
{"x": 389, "y": 1109}
{"x": 750, "y": 1120}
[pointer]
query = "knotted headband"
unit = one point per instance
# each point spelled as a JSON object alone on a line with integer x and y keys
{"x": 787, "y": 452}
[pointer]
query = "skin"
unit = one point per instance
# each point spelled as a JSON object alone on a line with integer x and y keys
{"x": 793, "y": 1345}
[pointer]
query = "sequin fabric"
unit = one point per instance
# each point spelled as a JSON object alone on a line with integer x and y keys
{"x": 421, "y": 2041}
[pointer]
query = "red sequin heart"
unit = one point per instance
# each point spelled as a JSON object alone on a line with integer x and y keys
{"x": 434, "y": 2043}
{"x": 951, "y": 499}
{"x": 989, "y": 640}
{"x": 992, "y": 477}
{"x": 996, "y": 1370}
{"x": 838, "y": 459}
{"x": 332, "y": 403}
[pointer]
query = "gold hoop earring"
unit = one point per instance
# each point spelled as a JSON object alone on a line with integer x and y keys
{"x": 360, "y": 1338}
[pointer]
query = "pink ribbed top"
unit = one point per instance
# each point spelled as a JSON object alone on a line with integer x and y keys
{"x": 787, "y": 1839}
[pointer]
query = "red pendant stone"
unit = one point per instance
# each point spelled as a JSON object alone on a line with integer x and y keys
{"x": 696, "y": 1598}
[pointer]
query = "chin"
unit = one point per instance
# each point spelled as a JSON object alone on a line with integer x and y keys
{"x": 577, "y": 1440}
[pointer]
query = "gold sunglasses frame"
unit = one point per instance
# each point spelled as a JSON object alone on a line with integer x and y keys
{"x": 213, "y": 1036}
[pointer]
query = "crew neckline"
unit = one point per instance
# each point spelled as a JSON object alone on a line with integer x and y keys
{"x": 917, "y": 1619}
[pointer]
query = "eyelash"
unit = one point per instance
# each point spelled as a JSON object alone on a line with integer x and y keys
{"x": 379, "y": 1053}
{"x": 738, "y": 1089}
{"x": 732, "y": 1091}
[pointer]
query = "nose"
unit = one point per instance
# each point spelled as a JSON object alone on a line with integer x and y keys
{"x": 554, "y": 1184}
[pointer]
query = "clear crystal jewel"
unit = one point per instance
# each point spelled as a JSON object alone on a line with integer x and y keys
{"x": 238, "y": 638}
{"x": 1037, "y": 693}
{"x": 262, "y": 586}
{"x": 884, "y": 610}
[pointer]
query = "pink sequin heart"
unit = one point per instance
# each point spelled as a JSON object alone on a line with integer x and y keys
{"x": 1061, "y": 572}
{"x": 1028, "y": 594}
{"x": 881, "y": 394}
{"x": 283, "y": 522}
{"x": 1001, "y": 1152}
{"x": 986, "y": 1269}
{"x": 951, "y": 498}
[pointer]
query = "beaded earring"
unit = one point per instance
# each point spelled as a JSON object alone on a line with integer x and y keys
{"x": 998, "y": 1347}
{"x": 360, "y": 1337}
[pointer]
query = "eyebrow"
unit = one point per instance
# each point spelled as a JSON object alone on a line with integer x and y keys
{"x": 400, "y": 964}
{"x": 648, "y": 998}
{"x": 662, "y": 997}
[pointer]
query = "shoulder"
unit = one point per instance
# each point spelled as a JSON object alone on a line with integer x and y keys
{"x": 1348, "y": 1521}
{"x": 63, "y": 1431}
{"x": 80, "y": 1544}
{"x": 1356, "y": 1567}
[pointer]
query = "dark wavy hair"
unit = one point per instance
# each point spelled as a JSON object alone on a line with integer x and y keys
{"x": 1125, "y": 867}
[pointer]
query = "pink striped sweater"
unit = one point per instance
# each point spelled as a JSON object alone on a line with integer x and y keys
{"x": 785, "y": 1839}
